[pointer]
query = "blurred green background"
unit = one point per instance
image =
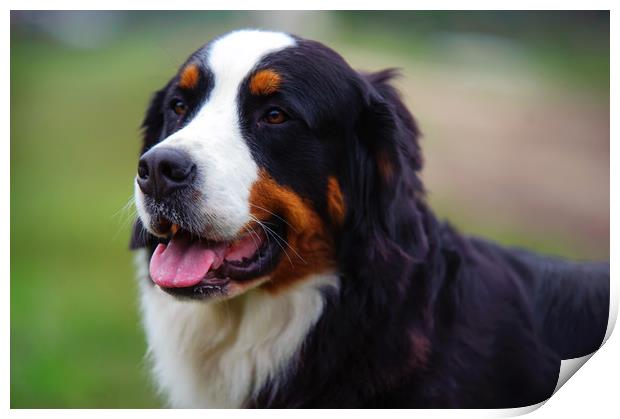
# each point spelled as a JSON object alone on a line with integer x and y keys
{"x": 514, "y": 107}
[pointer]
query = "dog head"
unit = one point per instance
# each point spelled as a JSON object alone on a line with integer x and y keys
{"x": 267, "y": 159}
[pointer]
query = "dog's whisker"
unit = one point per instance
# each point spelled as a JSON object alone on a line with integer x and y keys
{"x": 128, "y": 212}
{"x": 251, "y": 231}
{"x": 278, "y": 237}
{"x": 126, "y": 207}
{"x": 275, "y": 215}
{"x": 267, "y": 235}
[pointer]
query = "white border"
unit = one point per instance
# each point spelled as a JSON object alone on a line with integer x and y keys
{"x": 593, "y": 392}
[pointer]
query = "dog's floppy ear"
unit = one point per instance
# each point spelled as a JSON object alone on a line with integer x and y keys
{"x": 152, "y": 133}
{"x": 384, "y": 192}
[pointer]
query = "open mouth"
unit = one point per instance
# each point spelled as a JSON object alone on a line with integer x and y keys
{"x": 191, "y": 266}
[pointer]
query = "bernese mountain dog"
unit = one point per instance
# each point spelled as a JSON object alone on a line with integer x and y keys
{"x": 288, "y": 257}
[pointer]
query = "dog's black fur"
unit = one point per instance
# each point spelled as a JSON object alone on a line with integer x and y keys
{"x": 425, "y": 317}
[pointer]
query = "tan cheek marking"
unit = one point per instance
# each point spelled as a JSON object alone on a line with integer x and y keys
{"x": 335, "y": 201}
{"x": 265, "y": 82}
{"x": 189, "y": 77}
{"x": 310, "y": 245}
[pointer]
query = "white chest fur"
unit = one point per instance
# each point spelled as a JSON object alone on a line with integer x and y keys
{"x": 220, "y": 354}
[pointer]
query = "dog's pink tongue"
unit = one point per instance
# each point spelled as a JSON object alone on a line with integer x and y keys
{"x": 182, "y": 263}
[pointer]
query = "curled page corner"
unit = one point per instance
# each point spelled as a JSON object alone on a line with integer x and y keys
{"x": 569, "y": 367}
{"x": 517, "y": 411}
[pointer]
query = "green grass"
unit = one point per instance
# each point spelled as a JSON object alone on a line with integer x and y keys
{"x": 76, "y": 339}
{"x": 75, "y": 334}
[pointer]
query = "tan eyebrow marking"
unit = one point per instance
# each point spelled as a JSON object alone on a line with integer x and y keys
{"x": 265, "y": 82}
{"x": 189, "y": 77}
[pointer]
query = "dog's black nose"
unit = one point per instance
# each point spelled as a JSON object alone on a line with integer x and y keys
{"x": 162, "y": 171}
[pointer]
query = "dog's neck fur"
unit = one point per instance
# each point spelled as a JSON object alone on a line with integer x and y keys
{"x": 221, "y": 354}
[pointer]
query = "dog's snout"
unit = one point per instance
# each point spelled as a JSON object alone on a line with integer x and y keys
{"x": 162, "y": 171}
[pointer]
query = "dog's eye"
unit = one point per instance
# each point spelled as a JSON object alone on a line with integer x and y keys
{"x": 178, "y": 106}
{"x": 275, "y": 116}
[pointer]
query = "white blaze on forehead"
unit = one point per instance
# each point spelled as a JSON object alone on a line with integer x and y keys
{"x": 213, "y": 138}
{"x": 231, "y": 57}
